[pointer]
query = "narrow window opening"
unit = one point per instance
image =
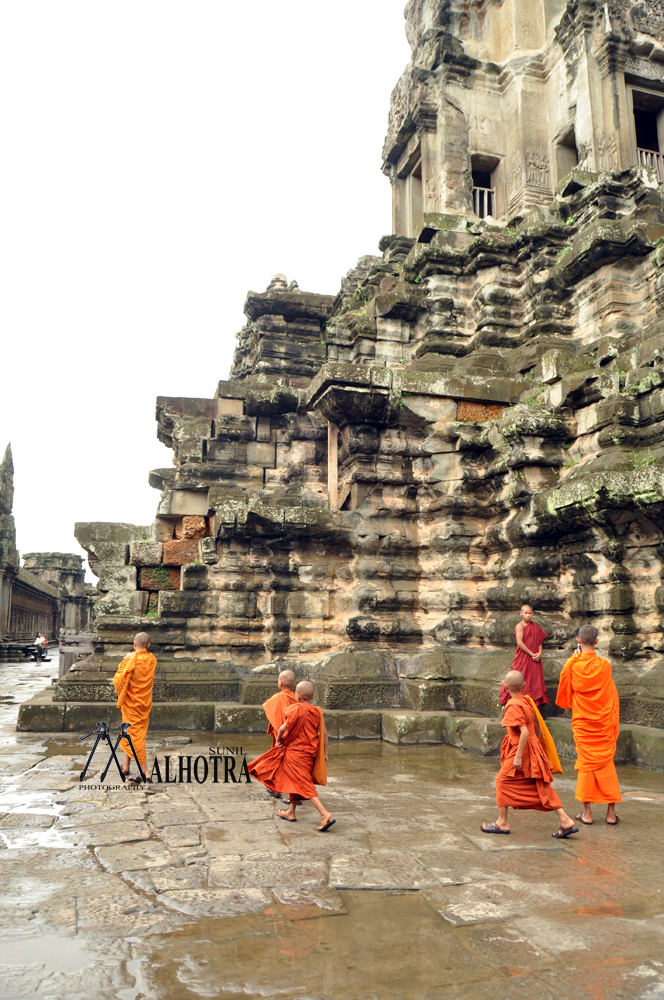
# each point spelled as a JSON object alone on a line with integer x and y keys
{"x": 204, "y": 448}
{"x": 483, "y": 169}
{"x": 212, "y": 433}
{"x": 645, "y": 123}
{"x": 649, "y": 130}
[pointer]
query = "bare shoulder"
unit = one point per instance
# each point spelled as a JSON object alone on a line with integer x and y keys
{"x": 519, "y": 628}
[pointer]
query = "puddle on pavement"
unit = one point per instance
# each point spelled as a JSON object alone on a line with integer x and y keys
{"x": 332, "y": 956}
{"x": 54, "y": 953}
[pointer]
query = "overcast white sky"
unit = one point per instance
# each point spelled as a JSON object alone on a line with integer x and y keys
{"x": 157, "y": 159}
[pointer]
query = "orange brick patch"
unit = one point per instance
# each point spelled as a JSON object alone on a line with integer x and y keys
{"x": 158, "y": 578}
{"x": 181, "y": 551}
{"x": 191, "y": 526}
{"x": 477, "y": 412}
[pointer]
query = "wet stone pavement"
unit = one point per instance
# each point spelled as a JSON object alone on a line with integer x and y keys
{"x": 186, "y": 890}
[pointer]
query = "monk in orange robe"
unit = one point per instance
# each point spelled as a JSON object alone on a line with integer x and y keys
{"x": 527, "y": 761}
{"x": 296, "y": 762}
{"x": 587, "y": 687}
{"x": 528, "y": 658}
{"x": 275, "y": 708}
{"x": 133, "y": 683}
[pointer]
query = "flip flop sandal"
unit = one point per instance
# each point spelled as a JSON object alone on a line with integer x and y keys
{"x": 139, "y": 781}
{"x": 561, "y": 834}
{"x": 287, "y": 818}
{"x": 493, "y": 828}
{"x": 585, "y": 822}
{"x": 322, "y": 829}
{"x": 616, "y": 822}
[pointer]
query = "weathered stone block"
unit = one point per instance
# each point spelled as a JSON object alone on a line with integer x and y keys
{"x": 117, "y": 578}
{"x": 358, "y": 725}
{"x": 126, "y": 602}
{"x": 145, "y": 553}
{"x": 208, "y": 550}
{"x": 159, "y": 578}
{"x": 182, "y": 715}
{"x": 402, "y": 727}
{"x": 236, "y": 719}
{"x": 85, "y": 716}
{"x": 178, "y": 602}
{"x": 184, "y": 502}
{"x": 261, "y": 454}
{"x": 162, "y": 530}
{"x": 181, "y": 551}
{"x": 194, "y": 576}
{"x": 40, "y": 716}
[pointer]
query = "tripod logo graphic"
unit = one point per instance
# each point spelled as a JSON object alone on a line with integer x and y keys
{"x": 103, "y": 736}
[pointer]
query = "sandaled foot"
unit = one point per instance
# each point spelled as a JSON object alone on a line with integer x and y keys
{"x": 561, "y": 833}
{"x": 139, "y": 781}
{"x": 282, "y": 815}
{"x": 586, "y": 822}
{"x": 614, "y": 821}
{"x": 326, "y": 825}
{"x": 275, "y": 795}
{"x": 492, "y": 828}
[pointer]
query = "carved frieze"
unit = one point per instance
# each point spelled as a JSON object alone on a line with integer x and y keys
{"x": 644, "y": 68}
{"x": 400, "y": 105}
{"x": 583, "y": 152}
{"x": 606, "y": 148}
{"x": 648, "y": 17}
{"x": 537, "y": 168}
{"x": 515, "y": 176}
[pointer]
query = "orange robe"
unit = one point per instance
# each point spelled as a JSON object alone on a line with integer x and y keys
{"x": 530, "y": 786}
{"x": 275, "y": 709}
{"x": 299, "y": 763}
{"x": 133, "y": 682}
{"x": 586, "y": 686}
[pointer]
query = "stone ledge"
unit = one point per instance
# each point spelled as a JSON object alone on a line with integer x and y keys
{"x": 640, "y": 745}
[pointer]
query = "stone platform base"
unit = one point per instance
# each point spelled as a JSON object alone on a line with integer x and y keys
{"x": 639, "y": 745}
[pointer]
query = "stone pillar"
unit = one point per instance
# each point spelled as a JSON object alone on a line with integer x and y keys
{"x": 332, "y": 467}
{"x": 5, "y": 604}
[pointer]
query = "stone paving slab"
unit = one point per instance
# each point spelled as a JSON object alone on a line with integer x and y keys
{"x": 218, "y": 902}
{"x": 379, "y": 871}
{"x": 133, "y": 857}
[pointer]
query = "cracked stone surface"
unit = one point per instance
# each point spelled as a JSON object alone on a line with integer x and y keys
{"x": 404, "y": 899}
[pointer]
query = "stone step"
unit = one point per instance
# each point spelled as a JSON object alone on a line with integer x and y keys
{"x": 641, "y": 745}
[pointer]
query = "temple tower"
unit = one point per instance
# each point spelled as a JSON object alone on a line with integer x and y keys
{"x": 501, "y": 100}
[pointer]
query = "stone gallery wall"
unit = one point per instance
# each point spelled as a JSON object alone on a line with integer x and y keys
{"x": 474, "y": 421}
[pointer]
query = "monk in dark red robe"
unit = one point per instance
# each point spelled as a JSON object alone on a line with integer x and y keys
{"x": 296, "y": 763}
{"x": 528, "y": 658}
{"x": 526, "y": 769}
{"x": 587, "y": 687}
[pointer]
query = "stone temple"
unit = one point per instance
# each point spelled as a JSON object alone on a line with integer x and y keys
{"x": 475, "y": 420}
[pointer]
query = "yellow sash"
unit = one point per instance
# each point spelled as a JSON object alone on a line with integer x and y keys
{"x": 319, "y": 773}
{"x": 546, "y": 739}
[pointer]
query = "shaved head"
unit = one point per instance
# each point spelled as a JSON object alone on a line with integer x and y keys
{"x": 305, "y": 691}
{"x": 287, "y": 679}
{"x": 514, "y": 681}
{"x": 142, "y": 640}
{"x": 587, "y": 634}
{"x": 525, "y": 607}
